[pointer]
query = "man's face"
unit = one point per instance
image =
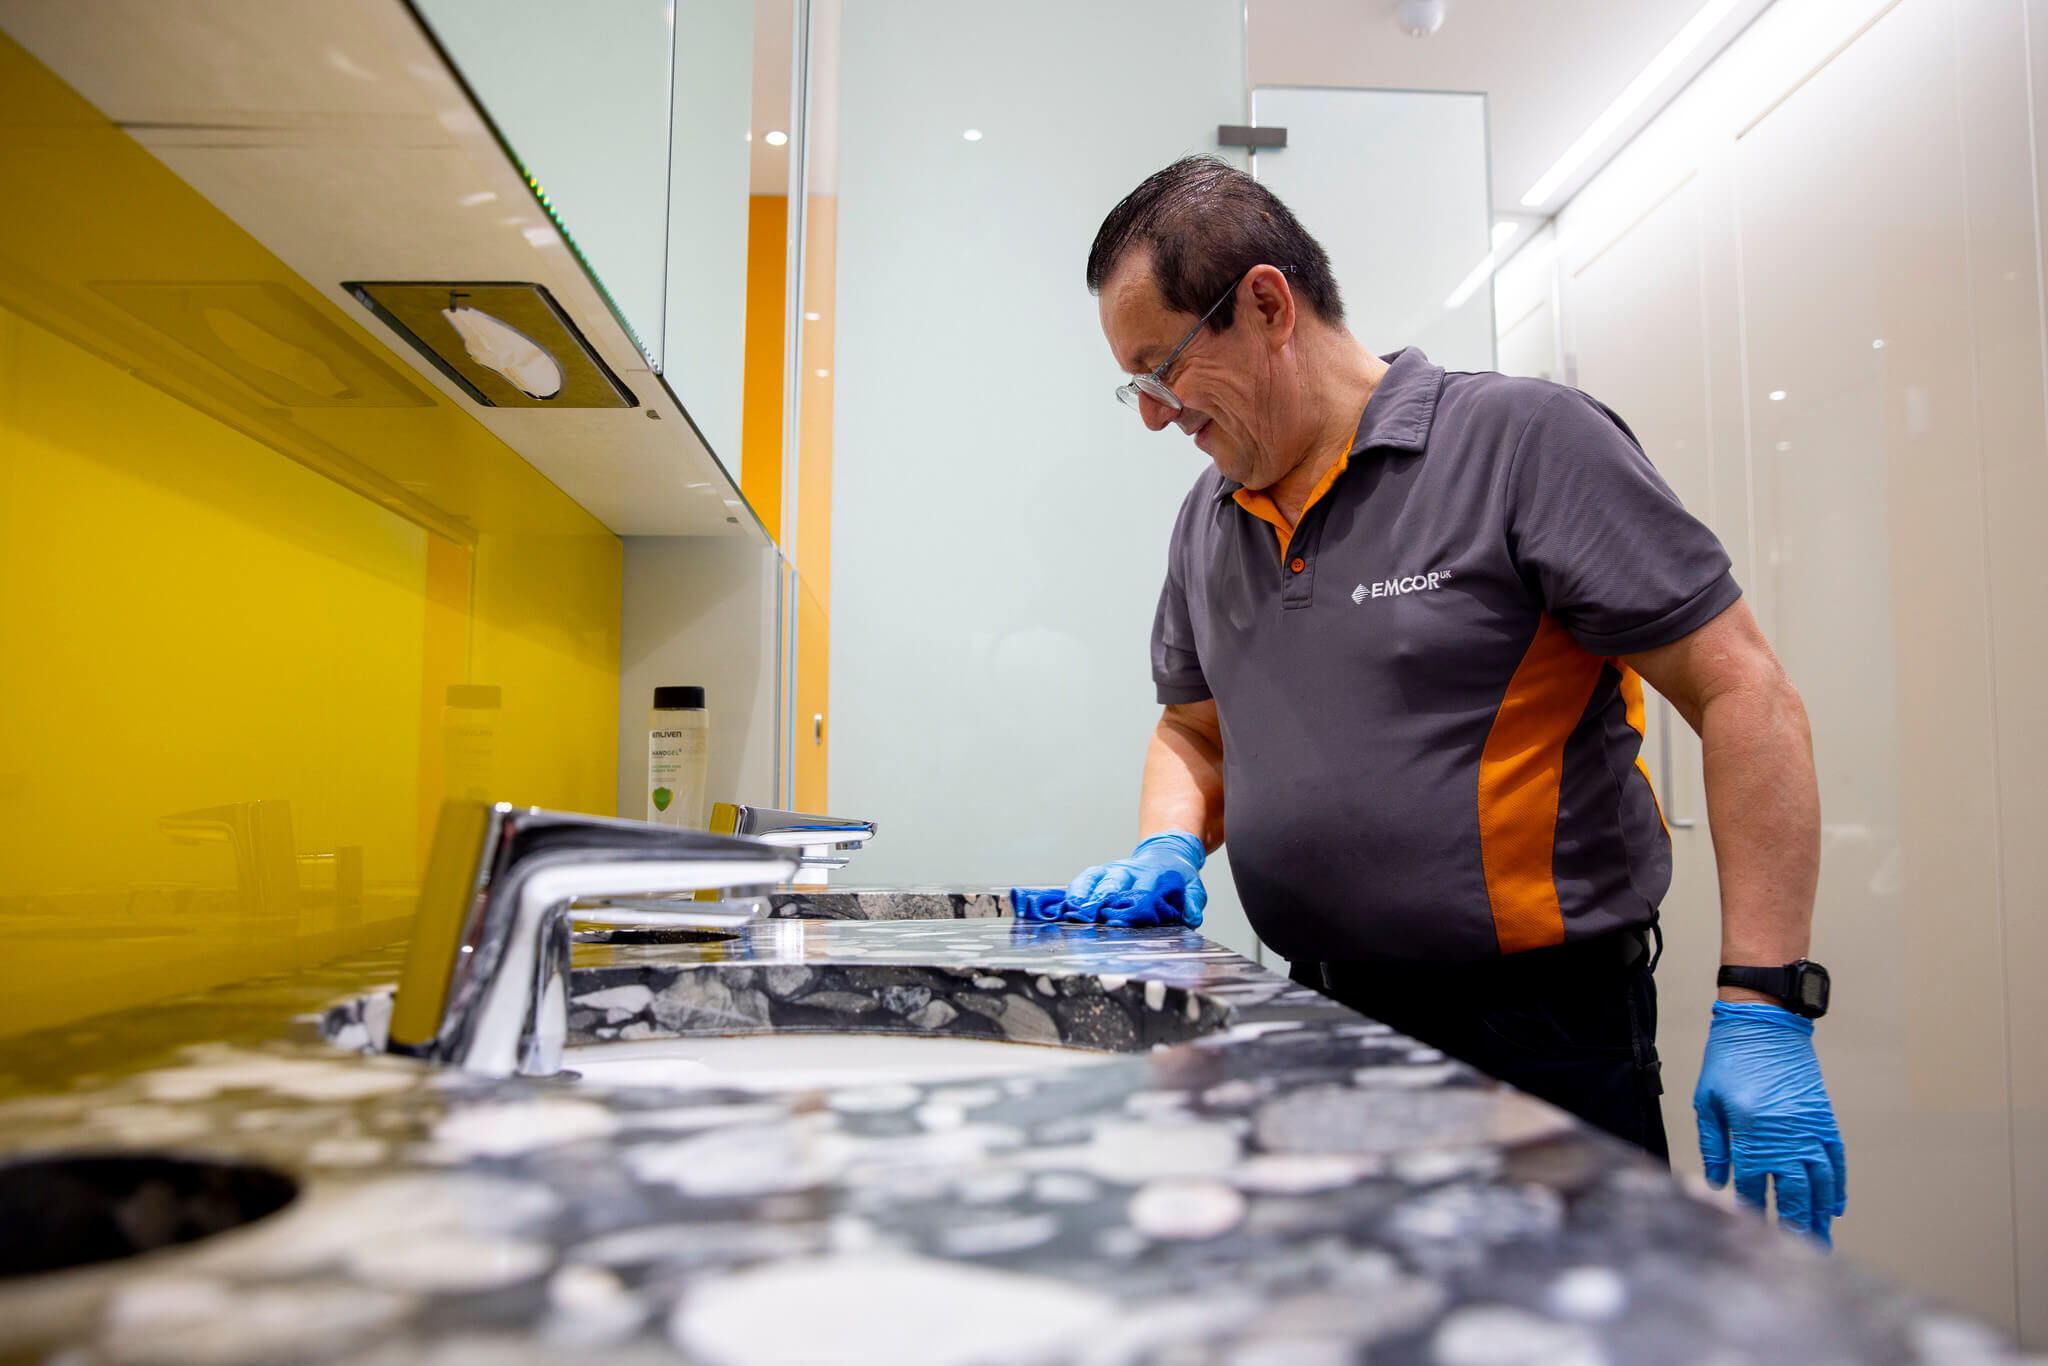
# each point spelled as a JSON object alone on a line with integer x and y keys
{"x": 1223, "y": 379}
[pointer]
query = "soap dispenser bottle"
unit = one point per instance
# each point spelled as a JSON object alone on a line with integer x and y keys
{"x": 678, "y": 731}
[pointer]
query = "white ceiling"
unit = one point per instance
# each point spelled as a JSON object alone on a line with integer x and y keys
{"x": 1547, "y": 67}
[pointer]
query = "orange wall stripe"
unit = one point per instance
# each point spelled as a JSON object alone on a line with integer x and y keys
{"x": 760, "y": 472}
{"x": 1520, "y": 772}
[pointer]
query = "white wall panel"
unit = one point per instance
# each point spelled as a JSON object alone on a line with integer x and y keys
{"x": 2003, "y": 48}
{"x": 701, "y": 610}
{"x": 1845, "y": 293}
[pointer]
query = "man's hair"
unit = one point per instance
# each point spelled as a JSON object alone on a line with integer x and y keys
{"x": 1205, "y": 223}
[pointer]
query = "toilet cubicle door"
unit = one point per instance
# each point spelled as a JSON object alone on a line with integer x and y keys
{"x": 1394, "y": 184}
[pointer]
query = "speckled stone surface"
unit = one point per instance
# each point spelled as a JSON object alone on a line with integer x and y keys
{"x": 1256, "y": 1176}
{"x": 892, "y": 903}
{"x": 839, "y": 903}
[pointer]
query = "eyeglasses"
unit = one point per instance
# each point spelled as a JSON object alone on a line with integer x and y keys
{"x": 1153, "y": 386}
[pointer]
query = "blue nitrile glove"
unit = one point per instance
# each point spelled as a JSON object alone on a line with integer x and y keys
{"x": 1168, "y": 852}
{"x": 1763, "y": 1109}
{"x": 1164, "y": 902}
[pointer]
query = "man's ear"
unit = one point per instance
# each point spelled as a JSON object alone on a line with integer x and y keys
{"x": 1272, "y": 304}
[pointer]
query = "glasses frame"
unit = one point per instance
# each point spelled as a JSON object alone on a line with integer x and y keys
{"x": 1153, "y": 385}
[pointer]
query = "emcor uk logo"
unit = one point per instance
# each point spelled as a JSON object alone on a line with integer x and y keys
{"x": 1400, "y": 586}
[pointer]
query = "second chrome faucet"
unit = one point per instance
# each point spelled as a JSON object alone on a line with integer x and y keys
{"x": 485, "y": 982}
{"x": 486, "y": 979}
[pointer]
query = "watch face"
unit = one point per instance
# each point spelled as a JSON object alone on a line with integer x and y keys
{"x": 1812, "y": 988}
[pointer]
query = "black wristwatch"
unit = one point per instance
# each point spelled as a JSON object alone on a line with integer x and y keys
{"x": 1800, "y": 987}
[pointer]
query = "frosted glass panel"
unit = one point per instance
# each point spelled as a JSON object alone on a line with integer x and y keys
{"x": 999, "y": 520}
{"x": 581, "y": 92}
{"x": 1393, "y": 184}
{"x": 705, "y": 319}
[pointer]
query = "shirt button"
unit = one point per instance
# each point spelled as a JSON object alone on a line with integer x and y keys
{"x": 1298, "y": 565}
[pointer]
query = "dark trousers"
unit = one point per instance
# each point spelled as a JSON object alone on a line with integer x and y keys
{"x": 1575, "y": 1024}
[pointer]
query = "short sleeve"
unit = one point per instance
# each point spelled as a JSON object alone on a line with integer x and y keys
{"x": 1595, "y": 529}
{"x": 1176, "y": 668}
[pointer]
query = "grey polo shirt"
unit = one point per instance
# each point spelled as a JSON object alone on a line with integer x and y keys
{"x": 1430, "y": 747}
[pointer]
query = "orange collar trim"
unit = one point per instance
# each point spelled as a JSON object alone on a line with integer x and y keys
{"x": 1260, "y": 504}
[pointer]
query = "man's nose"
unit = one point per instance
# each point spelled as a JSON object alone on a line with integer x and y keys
{"x": 1155, "y": 413}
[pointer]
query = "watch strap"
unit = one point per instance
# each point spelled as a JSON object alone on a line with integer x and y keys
{"x": 1778, "y": 982}
{"x": 1801, "y": 987}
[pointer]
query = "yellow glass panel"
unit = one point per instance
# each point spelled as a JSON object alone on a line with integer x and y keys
{"x": 265, "y": 595}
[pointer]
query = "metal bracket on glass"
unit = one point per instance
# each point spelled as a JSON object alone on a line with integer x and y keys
{"x": 1666, "y": 716}
{"x": 1243, "y": 135}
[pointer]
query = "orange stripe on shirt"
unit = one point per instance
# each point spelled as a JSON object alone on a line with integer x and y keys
{"x": 1632, "y": 699}
{"x": 1521, "y": 771}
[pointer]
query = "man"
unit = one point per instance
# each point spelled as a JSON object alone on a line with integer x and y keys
{"x": 1401, "y": 645}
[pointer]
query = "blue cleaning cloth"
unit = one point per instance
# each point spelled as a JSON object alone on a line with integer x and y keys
{"x": 1165, "y": 904}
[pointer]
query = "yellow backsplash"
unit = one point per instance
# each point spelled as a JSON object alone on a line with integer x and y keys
{"x": 245, "y": 554}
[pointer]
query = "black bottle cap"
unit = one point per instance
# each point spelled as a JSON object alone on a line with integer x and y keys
{"x": 679, "y": 699}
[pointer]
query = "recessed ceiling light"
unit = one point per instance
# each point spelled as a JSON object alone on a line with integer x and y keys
{"x": 972, "y": 135}
{"x": 810, "y": 317}
{"x": 1777, "y": 395}
{"x": 776, "y": 138}
{"x": 470, "y": 201}
{"x": 822, "y": 374}
{"x": 1784, "y": 445}
{"x": 1628, "y": 101}
{"x": 1877, "y": 344}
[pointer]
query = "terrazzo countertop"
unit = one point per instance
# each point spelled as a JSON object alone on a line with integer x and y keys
{"x": 1254, "y": 1176}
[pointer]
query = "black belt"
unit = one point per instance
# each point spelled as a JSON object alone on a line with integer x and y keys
{"x": 1599, "y": 955}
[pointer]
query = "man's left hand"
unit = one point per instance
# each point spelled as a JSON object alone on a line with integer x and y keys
{"x": 1764, "y": 1114}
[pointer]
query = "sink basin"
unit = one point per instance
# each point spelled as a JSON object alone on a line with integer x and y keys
{"x": 697, "y": 1021}
{"x": 74, "y": 1210}
{"x": 785, "y": 1062}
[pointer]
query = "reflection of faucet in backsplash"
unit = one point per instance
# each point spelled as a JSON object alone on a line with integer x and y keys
{"x": 268, "y": 866}
{"x": 817, "y": 836}
{"x": 469, "y": 741}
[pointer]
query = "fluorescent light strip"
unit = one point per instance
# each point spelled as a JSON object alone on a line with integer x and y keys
{"x": 1631, "y": 99}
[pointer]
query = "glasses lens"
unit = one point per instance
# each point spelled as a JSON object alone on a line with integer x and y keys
{"x": 1155, "y": 388}
{"x": 1128, "y": 395}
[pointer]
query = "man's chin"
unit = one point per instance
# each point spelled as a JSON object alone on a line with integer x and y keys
{"x": 1237, "y": 471}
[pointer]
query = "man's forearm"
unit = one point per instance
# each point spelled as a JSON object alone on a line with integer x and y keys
{"x": 1183, "y": 787}
{"x": 1763, "y": 805}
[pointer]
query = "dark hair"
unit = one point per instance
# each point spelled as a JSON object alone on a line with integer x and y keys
{"x": 1205, "y": 224}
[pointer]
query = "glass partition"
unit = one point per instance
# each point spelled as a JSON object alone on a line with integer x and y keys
{"x": 999, "y": 520}
{"x": 1393, "y": 183}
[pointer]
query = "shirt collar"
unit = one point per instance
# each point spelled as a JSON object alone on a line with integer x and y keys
{"x": 1400, "y": 412}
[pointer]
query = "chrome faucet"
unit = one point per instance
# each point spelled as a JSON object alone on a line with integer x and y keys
{"x": 485, "y": 982}
{"x": 816, "y": 836}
